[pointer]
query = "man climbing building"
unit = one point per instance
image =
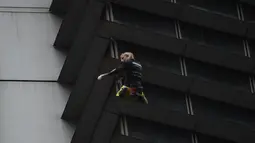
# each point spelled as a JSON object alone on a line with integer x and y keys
{"x": 131, "y": 71}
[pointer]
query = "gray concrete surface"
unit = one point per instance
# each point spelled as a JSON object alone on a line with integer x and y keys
{"x": 26, "y": 51}
{"x": 30, "y": 113}
{"x": 25, "y": 3}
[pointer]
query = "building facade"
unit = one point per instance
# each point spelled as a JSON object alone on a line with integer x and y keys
{"x": 31, "y": 99}
{"x": 199, "y": 64}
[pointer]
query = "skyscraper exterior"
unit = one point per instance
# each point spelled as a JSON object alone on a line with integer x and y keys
{"x": 198, "y": 62}
{"x": 31, "y": 99}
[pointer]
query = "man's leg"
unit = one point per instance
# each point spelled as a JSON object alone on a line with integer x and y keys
{"x": 132, "y": 94}
{"x": 142, "y": 98}
{"x": 123, "y": 91}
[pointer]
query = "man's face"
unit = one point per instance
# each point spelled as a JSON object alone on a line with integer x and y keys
{"x": 124, "y": 57}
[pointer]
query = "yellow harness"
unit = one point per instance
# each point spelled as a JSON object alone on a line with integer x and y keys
{"x": 127, "y": 92}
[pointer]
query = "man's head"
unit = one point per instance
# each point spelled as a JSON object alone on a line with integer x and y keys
{"x": 126, "y": 56}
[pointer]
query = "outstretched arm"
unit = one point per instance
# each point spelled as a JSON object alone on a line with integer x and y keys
{"x": 114, "y": 71}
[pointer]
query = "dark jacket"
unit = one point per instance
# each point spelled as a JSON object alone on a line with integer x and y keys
{"x": 131, "y": 71}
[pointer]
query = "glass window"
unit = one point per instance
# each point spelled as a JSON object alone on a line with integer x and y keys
{"x": 224, "y": 7}
{"x": 212, "y": 38}
{"x": 251, "y": 45}
{"x": 144, "y": 20}
{"x": 209, "y": 139}
{"x": 249, "y": 12}
{"x": 215, "y": 73}
{"x": 165, "y": 98}
{"x": 155, "y": 132}
{"x": 192, "y": 32}
{"x": 224, "y": 41}
{"x": 215, "y": 109}
{"x": 152, "y": 57}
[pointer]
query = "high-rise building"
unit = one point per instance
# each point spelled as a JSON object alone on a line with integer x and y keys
{"x": 198, "y": 62}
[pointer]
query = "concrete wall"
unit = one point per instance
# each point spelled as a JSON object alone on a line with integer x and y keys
{"x": 30, "y": 113}
{"x": 31, "y": 101}
{"x": 25, "y": 3}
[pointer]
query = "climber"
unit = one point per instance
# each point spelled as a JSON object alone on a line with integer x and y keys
{"x": 131, "y": 71}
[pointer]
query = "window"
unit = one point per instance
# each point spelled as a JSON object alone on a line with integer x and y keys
{"x": 224, "y": 7}
{"x": 224, "y": 41}
{"x": 152, "y": 57}
{"x": 212, "y": 38}
{"x": 248, "y": 11}
{"x": 156, "y": 133}
{"x": 215, "y": 73}
{"x": 208, "y": 139}
{"x": 229, "y": 113}
{"x": 192, "y": 32}
{"x": 166, "y": 99}
{"x": 251, "y": 47}
{"x": 143, "y": 20}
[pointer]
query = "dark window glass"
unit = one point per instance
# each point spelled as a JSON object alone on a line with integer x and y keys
{"x": 208, "y": 139}
{"x": 108, "y": 52}
{"x": 165, "y": 98}
{"x": 224, "y": 7}
{"x": 103, "y": 16}
{"x": 249, "y": 12}
{"x": 144, "y": 20}
{"x": 224, "y": 41}
{"x": 214, "y": 109}
{"x": 156, "y": 133}
{"x": 215, "y": 73}
{"x": 152, "y": 57}
{"x": 118, "y": 132}
{"x": 212, "y": 38}
{"x": 251, "y": 45}
{"x": 192, "y": 32}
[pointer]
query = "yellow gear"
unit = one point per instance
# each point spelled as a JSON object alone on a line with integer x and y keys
{"x": 128, "y": 93}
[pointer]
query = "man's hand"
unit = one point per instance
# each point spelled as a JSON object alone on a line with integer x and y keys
{"x": 100, "y": 77}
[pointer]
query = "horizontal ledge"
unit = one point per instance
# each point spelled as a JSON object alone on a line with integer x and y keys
{"x": 213, "y": 127}
{"x": 249, "y": 1}
{"x": 212, "y": 90}
{"x": 13, "y": 80}
{"x": 219, "y": 57}
{"x": 214, "y": 21}
{"x": 222, "y": 92}
{"x": 126, "y": 139}
{"x": 25, "y": 9}
{"x": 21, "y": 7}
{"x": 173, "y": 45}
{"x": 187, "y": 13}
{"x": 142, "y": 37}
